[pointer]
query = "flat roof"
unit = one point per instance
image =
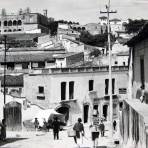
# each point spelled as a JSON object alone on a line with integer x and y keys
{"x": 32, "y": 57}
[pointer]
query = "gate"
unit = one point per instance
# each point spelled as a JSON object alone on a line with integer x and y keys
{"x": 13, "y": 116}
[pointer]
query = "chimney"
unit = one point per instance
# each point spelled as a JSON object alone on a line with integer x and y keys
{"x": 45, "y": 12}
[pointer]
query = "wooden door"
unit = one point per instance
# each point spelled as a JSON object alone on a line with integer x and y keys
{"x": 13, "y": 116}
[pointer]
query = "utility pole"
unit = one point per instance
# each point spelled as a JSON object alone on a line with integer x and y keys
{"x": 5, "y": 48}
{"x": 110, "y": 64}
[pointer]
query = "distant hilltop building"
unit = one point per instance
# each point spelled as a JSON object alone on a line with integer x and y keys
{"x": 103, "y": 20}
{"x": 95, "y": 28}
{"x": 24, "y": 23}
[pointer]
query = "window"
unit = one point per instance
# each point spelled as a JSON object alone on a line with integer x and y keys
{"x": 41, "y": 97}
{"x": 123, "y": 63}
{"x": 10, "y": 23}
{"x": 122, "y": 91}
{"x": 41, "y": 89}
{"x": 91, "y": 84}
{"x": 63, "y": 90}
{"x": 41, "y": 64}
{"x": 107, "y": 86}
{"x": 142, "y": 70}
{"x": 116, "y": 62}
{"x": 19, "y": 22}
{"x": 71, "y": 89}
{"x": 10, "y": 66}
{"x": 113, "y": 86}
{"x": 25, "y": 65}
{"x": 5, "y": 23}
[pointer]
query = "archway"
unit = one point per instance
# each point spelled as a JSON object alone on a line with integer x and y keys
{"x": 19, "y": 22}
{"x": 14, "y": 23}
{"x": 10, "y": 23}
{"x": 13, "y": 115}
{"x": 64, "y": 109}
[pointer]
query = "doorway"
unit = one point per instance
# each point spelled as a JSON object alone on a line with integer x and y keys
{"x": 86, "y": 111}
{"x": 13, "y": 116}
{"x": 105, "y": 111}
{"x": 65, "y": 111}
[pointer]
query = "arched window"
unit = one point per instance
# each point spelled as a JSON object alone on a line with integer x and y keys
{"x": 19, "y": 22}
{"x": 9, "y": 30}
{"x": 10, "y": 23}
{"x": 5, "y": 23}
{"x": 5, "y": 30}
{"x": 14, "y": 30}
{"x": 19, "y": 29}
{"x": 14, "y": 23}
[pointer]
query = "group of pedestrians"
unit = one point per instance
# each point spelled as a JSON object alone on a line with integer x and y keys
{"x": 55, "y": 125}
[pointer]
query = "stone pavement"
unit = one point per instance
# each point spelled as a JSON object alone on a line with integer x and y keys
{"x": 30, "y": 139}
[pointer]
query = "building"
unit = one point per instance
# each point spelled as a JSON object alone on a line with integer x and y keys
{"x": 68, "y": 59}
{"x": 76, "y": 92}
{"x": 134, "y": 115}
{"x": 95, "y": 28}
{"x": 103, "y": 20}
{"x": 24, "y": 23}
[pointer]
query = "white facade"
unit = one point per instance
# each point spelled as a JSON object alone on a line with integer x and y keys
{"x": 51, "y": 82}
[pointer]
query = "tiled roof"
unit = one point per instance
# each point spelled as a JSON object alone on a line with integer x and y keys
{"x": 12, "y": 80}
{"x": 27, "y": 57}
{"x": 68, "y": 54}
{"x": 141, "y": 35}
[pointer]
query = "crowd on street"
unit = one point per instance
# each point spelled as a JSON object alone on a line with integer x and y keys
{"x": 78, "y": 132}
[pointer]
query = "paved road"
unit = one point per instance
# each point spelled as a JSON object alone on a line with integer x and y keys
{"x": 26, "y": 139}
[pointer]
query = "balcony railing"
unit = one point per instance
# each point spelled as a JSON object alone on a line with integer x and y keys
{"x": 79, "y": 70}
{"x": 66, "y": 70}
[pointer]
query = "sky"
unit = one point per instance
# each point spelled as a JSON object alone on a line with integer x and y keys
{"x": 82, "y": 11}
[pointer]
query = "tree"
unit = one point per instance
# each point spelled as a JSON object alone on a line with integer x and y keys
{"x": 53, "y": 26}
{"x": 133, "y": 26}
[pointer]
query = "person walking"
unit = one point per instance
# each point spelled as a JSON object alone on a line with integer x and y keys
{"x": 102, "y": 128}
{"x": 56, "y": 128}
{"x": 36, "y": 124}
{"x": 3, "y": 130}
{"x": 79, "y": 128}
{"x": 114, "y": 125}
{"x": 49, "y": 124}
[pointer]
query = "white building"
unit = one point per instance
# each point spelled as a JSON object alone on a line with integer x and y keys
{"x": 76, "y": 92}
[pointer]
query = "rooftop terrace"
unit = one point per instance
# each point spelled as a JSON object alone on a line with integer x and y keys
{"x": 78, "y": 70}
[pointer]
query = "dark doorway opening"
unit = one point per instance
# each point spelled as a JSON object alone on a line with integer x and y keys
{"x": 86, "y": 110}
{"x": 105, "y": 111}
{"x": 65, "y": 111}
